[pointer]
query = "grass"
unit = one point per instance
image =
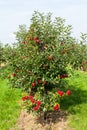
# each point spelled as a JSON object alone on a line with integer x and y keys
{"x": 76, "y": 105}
{"x": 9, "y": 106}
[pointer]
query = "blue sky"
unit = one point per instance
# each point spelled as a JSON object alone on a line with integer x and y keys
{"x": 16, "y": 12}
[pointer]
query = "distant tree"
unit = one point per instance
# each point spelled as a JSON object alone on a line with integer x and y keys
{"x": 1, "y": 52}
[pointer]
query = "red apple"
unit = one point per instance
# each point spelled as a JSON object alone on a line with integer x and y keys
{"x": 37, "y": 41}
{"x": 14, "y": 75}
{"x": 68, "y": 92}
{"x": 33, "y": 84}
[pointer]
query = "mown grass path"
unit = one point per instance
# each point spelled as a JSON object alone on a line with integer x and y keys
{"x": 9, "y": 106}
{"x": 77, "y": 105}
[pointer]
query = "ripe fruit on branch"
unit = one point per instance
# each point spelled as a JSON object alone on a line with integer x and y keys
{"x": 39, "y": 81}
{"x": 33, "y": 84}
{"x": 24, "y": 42}
{"x": 63, "y": 76}
{"x": 24, "y": 57}
{"x": 60, "y": 93}
{"x": 17, "y": 70}
{"x": 14, "y": 75}
{"x": 50, "y": 57}
{"x": 45, "y": 82}
{"x": 36, "y": 108}
{"x": 37, "y": 41}
{"x": 36, "y": 38}
{"x": 45, "y": 47}
{"x": 38, "y": 102}
{"x": 56, "y": 107}
{"x": 68, "y": 92}
{"x": 30, "y": 39}
{"x": 62, "y": 43}
{"x": 24, "y": 98}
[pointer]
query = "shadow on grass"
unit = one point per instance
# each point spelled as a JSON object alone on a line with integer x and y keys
{"x": 77, "y": 97}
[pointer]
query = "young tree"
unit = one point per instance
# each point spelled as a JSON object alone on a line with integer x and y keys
{"x": 39, "y": 62}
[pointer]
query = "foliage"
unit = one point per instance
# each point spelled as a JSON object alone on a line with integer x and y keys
{"x": 21, "y": 34}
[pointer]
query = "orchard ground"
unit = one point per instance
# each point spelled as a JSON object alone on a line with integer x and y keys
{"x": 72, "y": 112}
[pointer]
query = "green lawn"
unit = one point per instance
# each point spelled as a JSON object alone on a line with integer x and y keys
{"x": 9, "y": 106}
